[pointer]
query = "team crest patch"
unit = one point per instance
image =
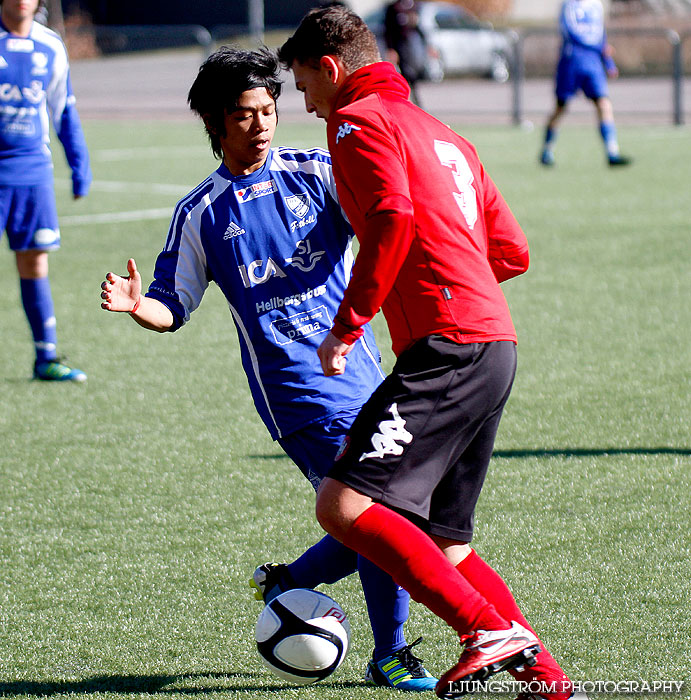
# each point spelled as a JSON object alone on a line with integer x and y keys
{"x": 40, "y": 61}
{"x": 258, "y": 189}
{"x": 299, "y": 204}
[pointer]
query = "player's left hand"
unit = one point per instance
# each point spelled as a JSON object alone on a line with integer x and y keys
{"x": 121, "y": 293}
{"x": 332, "y": 353}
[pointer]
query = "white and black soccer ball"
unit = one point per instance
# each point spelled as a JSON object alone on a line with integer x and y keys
{"x": 302, "y": 635}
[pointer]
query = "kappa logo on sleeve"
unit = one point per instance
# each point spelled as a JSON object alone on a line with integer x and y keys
{"x": 346, "y": 129}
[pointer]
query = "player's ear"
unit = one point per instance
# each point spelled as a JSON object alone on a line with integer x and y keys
{"x": 208, "y": 124}
{"x": 333, "y": 68}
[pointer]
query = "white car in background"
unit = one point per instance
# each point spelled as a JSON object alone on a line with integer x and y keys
{"x": 458, "y": 42}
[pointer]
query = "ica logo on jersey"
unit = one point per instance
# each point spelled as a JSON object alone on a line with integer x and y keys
{"x": 13, "y": 93}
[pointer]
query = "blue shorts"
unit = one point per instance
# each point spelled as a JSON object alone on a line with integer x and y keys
{"x": 29, "y": 215}
{"x": 586, "y": 74}
{"x": 314, "y": 447}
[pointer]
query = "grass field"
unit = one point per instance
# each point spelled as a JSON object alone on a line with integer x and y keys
{"x": 135, "y": 507}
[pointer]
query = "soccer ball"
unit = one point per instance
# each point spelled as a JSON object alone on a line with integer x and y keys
{"x": 302, "y": 635}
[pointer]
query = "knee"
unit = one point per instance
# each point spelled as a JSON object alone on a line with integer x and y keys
{"x": 604, "y": 109}
{"x": 338, "y": 507}
{"x": 326, "y": 511}
{"x": 454, "y": 550}
{"x": 32, "y": 264}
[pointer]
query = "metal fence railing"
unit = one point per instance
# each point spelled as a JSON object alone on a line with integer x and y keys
{"x": 129, "y": 38}
{"x": 675, "y": 63}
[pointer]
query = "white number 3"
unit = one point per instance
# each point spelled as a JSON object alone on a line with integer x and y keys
{"x": 451, "y": 157}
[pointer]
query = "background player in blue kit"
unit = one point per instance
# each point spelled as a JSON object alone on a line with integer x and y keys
{"x": 267, "y": 227}
{"x": 34, "y": 73}
{"x": 584, "y": 64}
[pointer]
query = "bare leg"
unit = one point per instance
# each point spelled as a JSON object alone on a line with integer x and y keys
{"x": 547, "y": 155}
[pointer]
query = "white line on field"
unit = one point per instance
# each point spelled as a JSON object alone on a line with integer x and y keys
{"x": 129, "y": 186}
{"x": 158, "y": 187}
{"x": 111, "y": 154}
{"x": 123, "y": 216}
{"x": 116, "y": 217}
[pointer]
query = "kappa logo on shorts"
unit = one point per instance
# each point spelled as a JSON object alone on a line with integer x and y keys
{"x": 391, "y": 432}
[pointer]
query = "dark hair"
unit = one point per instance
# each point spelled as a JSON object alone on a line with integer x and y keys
{"x": 334, "y": 30}
{"x": 223, "y": 77}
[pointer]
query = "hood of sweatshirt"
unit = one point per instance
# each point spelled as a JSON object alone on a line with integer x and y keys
{"x": 379, "y": 78}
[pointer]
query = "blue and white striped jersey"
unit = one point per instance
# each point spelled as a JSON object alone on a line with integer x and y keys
{"x": 277, "y": 244}
{"x": 35, "y": 88}
{"x": 582, "y": 25}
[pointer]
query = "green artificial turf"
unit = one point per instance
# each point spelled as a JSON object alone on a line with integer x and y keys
{"x": 135, "y": 507}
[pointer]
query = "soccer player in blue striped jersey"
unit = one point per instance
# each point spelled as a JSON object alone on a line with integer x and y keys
{"x": 267, "y": 228}
{"x": 584, "y": 64}
{"x": 35, "y": 89}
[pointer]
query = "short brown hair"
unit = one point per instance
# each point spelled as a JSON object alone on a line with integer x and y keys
{"x": 334, "y": 30}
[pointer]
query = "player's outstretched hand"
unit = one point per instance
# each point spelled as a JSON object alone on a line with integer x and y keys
{"x": 122, "y": 293}
{"x": 332, "y": 353}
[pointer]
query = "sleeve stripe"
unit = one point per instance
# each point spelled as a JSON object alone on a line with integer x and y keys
{"x": 184, "y": 207}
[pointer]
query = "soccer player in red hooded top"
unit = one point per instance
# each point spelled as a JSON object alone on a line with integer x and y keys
{"x": 436, "y": 240}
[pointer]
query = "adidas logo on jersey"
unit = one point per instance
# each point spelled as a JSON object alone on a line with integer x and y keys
{"x": 233, "y": 231}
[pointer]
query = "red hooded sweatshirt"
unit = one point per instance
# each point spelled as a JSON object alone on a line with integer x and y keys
{"x": 436, "y": 236}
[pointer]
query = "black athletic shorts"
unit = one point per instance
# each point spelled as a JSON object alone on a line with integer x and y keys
{"x": 422, "y": 442}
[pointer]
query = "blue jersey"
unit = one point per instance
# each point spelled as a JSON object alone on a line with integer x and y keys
{"x": 582, "y": 26}
{"x": 277, "y": 244}
{"x": 584, "y": 61}
{"x": 35, "y": 89}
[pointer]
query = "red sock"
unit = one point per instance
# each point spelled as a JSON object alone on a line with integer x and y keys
{"x": 490, "y": 584}
{"x": 414, "y": 562}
